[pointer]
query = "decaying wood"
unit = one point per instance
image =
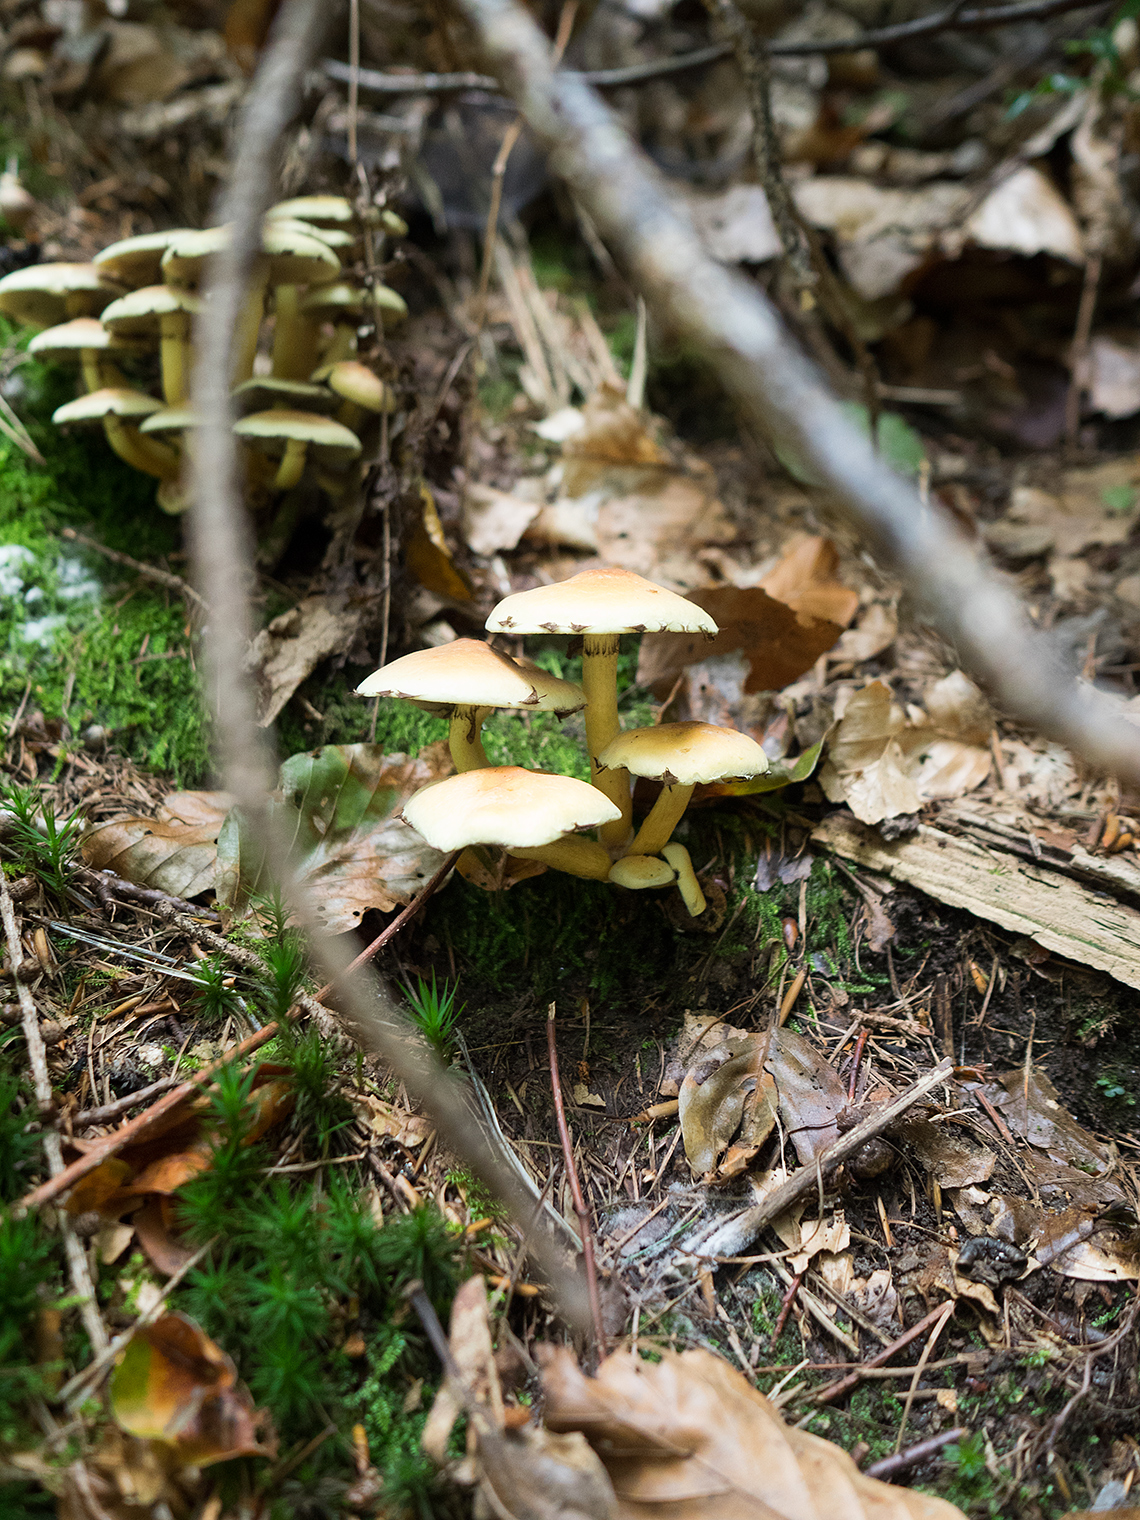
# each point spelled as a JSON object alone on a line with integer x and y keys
{"x": 1041, "y": 899}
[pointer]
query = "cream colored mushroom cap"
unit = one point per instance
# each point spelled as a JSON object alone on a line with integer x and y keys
{"x": 38, "y": 294}
{"x": 600, "y": 601}
{"x": 171, "y": 419}
{"x": 507, "y": 806}
{"x": 323, "y": 210}
{"x": 138, "y": 260}
{"x": 264, "y": 392}
{"x": 186, "y": 253}
{"x": 468, "y": 673}
{"x": 110, "y": 401}
{"x": 273, "y": 429}
{"x": 140, "y": 311}
{"x": 685, "y": 753}
{"x": 70, "y": 339}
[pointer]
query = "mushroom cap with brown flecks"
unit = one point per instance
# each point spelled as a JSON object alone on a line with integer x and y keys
{"x": 505, "y": 805}
{"x": 685, "y": 753}
{"x": 600, "y": 601}
{"x": 469, "y": 673}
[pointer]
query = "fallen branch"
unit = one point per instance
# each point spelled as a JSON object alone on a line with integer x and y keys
{"x": 222, "y": 559}
{"x": 951, "y": 20}
{"x": 148, "y": 572}
{"x": 921, "y": 1451}
{"x": 728, "y": 318}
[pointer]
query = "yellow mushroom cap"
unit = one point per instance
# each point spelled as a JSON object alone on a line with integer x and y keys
{"x": 264, "y": 392}
{"x": 111, "y": 401}
{"x": 468, "y": 673}
{"x": 139, "y": 312}
{"x": 321, "y": 210}
{"x": 187, "y": 251}
{"x": 138, "y": 260}
{"x": 38, "y": 295}
{"x": 330, "y": 441}
{"x": 640, "y": 871}
{"x": 505, "y": 805}
{"x": 170, "y": 419}
{"x": 355, "y": 382}
{"x": 600, "y": 601}
{"x": 685, "y": 753}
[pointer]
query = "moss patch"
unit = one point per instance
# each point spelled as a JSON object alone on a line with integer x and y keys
{"x": 73, "y": 626}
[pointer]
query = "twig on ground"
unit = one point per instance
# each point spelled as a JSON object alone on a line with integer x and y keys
{"x": 148, "y": 572}
{"x": 78, "y": 1269}
{"x": 110, "y": 1145}
{"x": 87, "y": 1116}
{"x": 921, "y": 1451}
{"x": 223, "y": 561}
{"x": 1079, "y": 353}
{"x": 729, "y": 319}
{"x": 927, "y": 1350}
{"x": 585, "y": 1224}
{"x": 952, "y": 19}
{"x": 786, "y": 1307}
{"x": 107, "y": 887}
{"x": 832, "y": 1391}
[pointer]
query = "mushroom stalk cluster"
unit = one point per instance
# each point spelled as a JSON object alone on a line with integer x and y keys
{"x": 538, "y": 816}
{"x": 126, "y": 322}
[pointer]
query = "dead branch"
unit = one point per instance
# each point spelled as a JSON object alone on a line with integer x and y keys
{"x": 222, "y": 561}
{"x": 953, "y": 19}
{"x": 148, "y": 572}
{"x": 729, "y": 319}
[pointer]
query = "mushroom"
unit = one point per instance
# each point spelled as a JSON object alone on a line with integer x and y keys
{"x": 321, "y": 210}
{"x": 679, "y": 755}
{"x": 299, "y": 256}
{"x": 44, "y": 294}
{"x": 361, "y": 390}
{"x": 165, "y": 312}
{"x": 531, "y": 813}
{"x": 464, "y": 681}
{"x": 293, "y": 436}
{"x": 601, "y": 605}
{"x": 84, "y": 341}
{"x": 641, "y": 871}
{"x": 687, "y": 883}
{"x": 262, "y": 392}
{"x": 137, "y": 261}
{"x": 120, "y": 411}
{"x": 346, "y": 306}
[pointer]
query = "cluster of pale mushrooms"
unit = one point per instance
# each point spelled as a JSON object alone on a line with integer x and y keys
{"x": 543, "y": 817}
{"x": 313, "y": 405}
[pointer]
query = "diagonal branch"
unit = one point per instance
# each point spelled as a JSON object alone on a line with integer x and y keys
{"x": 729, "y": 319}
{"x": 222, "y": 560}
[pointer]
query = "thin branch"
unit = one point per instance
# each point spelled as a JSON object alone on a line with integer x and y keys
{"x": 585, "y": 1225}
{"x": 148, "y": 572}
{"x": 222, "y": 559}
{"x": 952, "y": 19}
{"x": 728, "y": 318}
{"x": 77, "y": 1266}
{"x": 921, "y": 1451}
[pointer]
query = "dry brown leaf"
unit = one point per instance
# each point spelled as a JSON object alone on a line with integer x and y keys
{"x": 495, "y": 520}
{"x": 174, "y": 851}
{"x": 292, "y": 646}
{"x": 1031, "y": 1107}
{"x": 952, "y": 1160}
{"x": 875, "y": 631}
{"x": 689, "y": 1437}
{"x": 386, "y": 1119}
{"x": 805, "y": 578}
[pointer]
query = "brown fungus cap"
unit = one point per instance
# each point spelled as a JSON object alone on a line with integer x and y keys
{"x": 600, "y": 601}
{"x": 505, "y": 805}
{"x": 468, "y": 673}
{"x": 685, "y": 753}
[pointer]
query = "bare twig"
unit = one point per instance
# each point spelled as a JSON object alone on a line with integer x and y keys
{"x": 107, "y": 886}
{"x": 222, "y": 560}
{"x": 108, "y": 1111}
{"x": 148, "y": 572}
{"x": 77, "y": 1266}
{"x": 585, "y": 1225}
{"x": 729, "y": 319}
{"x": 951, "y": 19}
{"x": 921, "y": 1451}
{"x": 832, "y": 1391}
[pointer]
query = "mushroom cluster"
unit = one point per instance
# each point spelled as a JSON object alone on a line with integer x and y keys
{"x": 305, "y": 400}
{"x": 544, "y": 817}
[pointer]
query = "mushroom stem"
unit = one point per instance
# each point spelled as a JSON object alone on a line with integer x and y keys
{"x": 93, "y": 377}
{"x": 599, "y": 682}
{"x": 249, "y": 324}
{"x": 174, "y": 333}
{"x": 664, "y": 816}
{"x": 465, "y": 740}
{"x": 687, "y": 883}
{"x": 295, "y": 339}
{"x": 292, "y": 465}
{"x": 572, "y": 854}
{"x": 342, "y": 346}
{"x": 140, "y": 453}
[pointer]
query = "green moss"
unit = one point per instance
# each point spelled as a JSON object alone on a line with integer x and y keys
{"x": 74, "y": 625}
